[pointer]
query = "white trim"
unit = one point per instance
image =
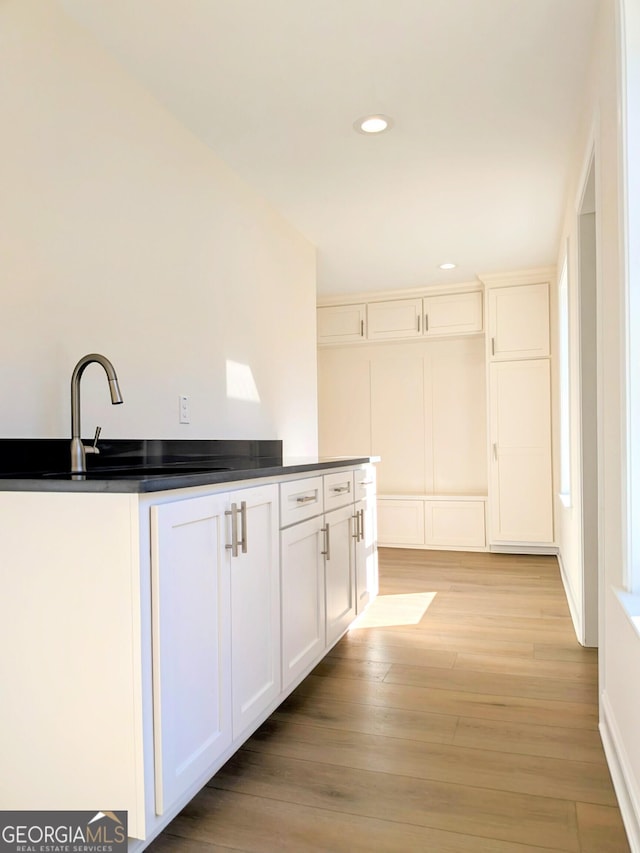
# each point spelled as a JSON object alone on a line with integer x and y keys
{"x": 622, "y": 776}
{"x": 575, "y": 612}
{"x": 407, "y": 293}
{"x": 523, "y": 548}
{"x": 508, "y": 279}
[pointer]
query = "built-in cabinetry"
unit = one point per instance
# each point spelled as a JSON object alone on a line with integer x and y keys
{"x": 174, "y": 625}
{"x": 519, "y": 389}
{"x": 448, "y": 313}
{"x": 460, "y": 420}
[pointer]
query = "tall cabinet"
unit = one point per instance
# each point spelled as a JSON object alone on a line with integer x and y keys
{"x": 519, "y": 410}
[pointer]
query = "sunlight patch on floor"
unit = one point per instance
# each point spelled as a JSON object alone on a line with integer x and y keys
{"x": 389, "y": 610}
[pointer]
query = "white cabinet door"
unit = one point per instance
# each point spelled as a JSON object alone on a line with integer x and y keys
{"x": 520, "y": 452}
{"x": 190, "y": 643}
{"x": 452, "y": 313}
{"x": 366, "y": 552}
{"x": 397, "y": 318}
{"x": 255, "y": 604}
{"x": 303, "y": 606}
{"x": 338, "y": 324}
{"x": 400, "y": 521}
{"x": 518, "y": 321}
{"x": 339, "y": 571}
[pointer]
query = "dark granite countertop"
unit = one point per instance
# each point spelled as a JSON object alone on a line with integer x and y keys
{"x": 139, "y": 466}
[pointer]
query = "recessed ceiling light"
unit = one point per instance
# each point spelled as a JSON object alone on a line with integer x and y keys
{"x": 447, "y": 266}
{"x": 373, "y": 124}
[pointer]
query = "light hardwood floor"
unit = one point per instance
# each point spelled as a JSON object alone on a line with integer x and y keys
{"x": 460, "y": 716}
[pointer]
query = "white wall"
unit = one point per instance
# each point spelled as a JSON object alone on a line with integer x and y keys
{"x": 121, "y": 233}
{"x": 619, "y": 640}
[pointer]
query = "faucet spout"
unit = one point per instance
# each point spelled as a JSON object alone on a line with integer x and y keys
{"x": 78, "y": 449}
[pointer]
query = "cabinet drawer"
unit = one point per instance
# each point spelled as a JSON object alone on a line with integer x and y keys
{"x": 364, "y": 483}
{"x": 338, "y": 490}
{"x": 300, "y": 499}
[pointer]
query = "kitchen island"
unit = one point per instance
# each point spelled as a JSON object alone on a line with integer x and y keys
{"x": 157, "y": 609}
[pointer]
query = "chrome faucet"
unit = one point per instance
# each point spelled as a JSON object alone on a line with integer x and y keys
{"x": 78, "y": 449}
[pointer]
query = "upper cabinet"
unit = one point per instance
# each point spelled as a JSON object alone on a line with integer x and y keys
{"x": 441, "y": 314}
{"x": 518, "y": 322}
{"x": 339, "y": 324}
{"x": 453, "y": 313}
{"x": 394, "y": 318}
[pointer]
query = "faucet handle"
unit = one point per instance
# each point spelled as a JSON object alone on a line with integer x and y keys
{"x": 93, "y": 448}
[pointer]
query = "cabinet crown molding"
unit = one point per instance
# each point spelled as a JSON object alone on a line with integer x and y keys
{"x": 386, "y": 295}
{"x": 530, "y": 276}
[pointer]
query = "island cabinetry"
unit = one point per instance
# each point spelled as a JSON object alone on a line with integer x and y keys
{"x": 255, "y": 603}
{"x": 366, "y": 545}
{"x": 339, "y": 561}
{"x": 303, "y": 605}
{"x": 191, "y": 642}
{"x": 215, "y": 595}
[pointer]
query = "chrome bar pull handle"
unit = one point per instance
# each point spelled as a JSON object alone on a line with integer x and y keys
{"x": 233, "y": 547}
{"x": 243, "y": 518}
{"x": 493, "y": 346}
{"x": 362, "y": 328}
{"x": 305, "y": 499}
{"x": 327, "y": 541}
{"x": 495, "y": 451}
{"x": 356, "y": 535}
{"x": 361, "y": 513}
{"x": 418, "y": 324}
{"x": 426, "y": 322}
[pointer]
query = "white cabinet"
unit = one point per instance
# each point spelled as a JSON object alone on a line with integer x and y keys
{"x": 303, "y": 604}
{"x": 394, "y": 318}
{"x": 432, "y": 522}
{"x": 365, "y": 537}
{"x": 338, "y": 324}
{"x": 216, "y": 628}
{"x": 452, "y": 313}
{"x": 339, "y": 556}
{"x": 191, "y": 643}
{"x": 455, "y": 522}
{"x": 255, "y": 603}
{"x": 520, "y": 452}
{"x": 518, "y": 321}
{"x": 318, "y": 563}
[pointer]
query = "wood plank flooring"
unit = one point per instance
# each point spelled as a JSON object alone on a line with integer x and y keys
{"x": 459, "y": 716}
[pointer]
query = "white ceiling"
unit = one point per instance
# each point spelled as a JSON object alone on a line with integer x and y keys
{"x": 485, "y": 96}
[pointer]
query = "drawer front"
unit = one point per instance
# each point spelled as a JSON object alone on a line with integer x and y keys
{"x": 364, "y": 483}
{"x": 300, "y": 499}
{"x": 338, "y": 490}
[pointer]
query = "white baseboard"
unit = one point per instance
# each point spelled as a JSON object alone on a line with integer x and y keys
{"x": 624, "y": 782}
{"x": 576, "y": 615}
{"x": 517, "y": 548}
